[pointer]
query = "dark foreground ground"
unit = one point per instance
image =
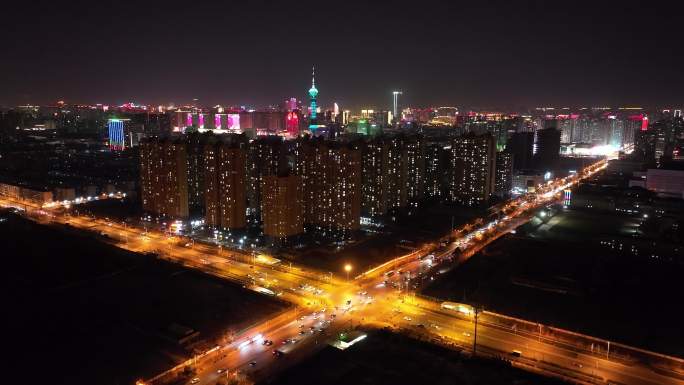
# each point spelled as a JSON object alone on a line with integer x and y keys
{"x": 83, "y": 312}
{"x": 562, "y": 276}
{"x": 386, "y": 358}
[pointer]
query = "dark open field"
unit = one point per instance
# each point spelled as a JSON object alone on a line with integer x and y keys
{"x": 560, "y": 275}
{"x": 84, "y": 312}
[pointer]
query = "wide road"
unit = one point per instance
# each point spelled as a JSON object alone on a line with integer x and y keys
{"x": 381, "y": 297}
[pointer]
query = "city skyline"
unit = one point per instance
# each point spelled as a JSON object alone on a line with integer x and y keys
{"x": 483, "y": 56}
{"x": 220, "y": 193}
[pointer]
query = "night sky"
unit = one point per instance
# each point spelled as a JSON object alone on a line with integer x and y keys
{"x": 474, "y": 54}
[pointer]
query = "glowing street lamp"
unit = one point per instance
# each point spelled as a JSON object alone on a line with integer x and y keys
{"x": 348, "y": 268}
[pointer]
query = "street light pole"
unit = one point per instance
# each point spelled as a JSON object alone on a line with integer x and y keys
{"x": 347, "y": 268}
{"x": 540, "y": 331}
{"x": 475, "y": 335}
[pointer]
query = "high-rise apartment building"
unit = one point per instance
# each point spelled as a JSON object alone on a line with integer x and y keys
{"x": 472, "y": 167}
{"x": 504, "y": 173}
{"x": 212, "y": 217}
{"x": 164, "y": 177}
{"x": 195, "y": 147}
{"x": 414, "y": 169}
{"x": 331, "y": 173}
{"x": 282, "y": 205}
{"x": 375, "y": 162}
{"x": 232, "y": 195}
{"x": 436, "y": 159}
{"x": 265, "y": 157}
{"x": 393, "y": 173}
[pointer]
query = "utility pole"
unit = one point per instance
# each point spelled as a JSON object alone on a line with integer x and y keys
{"x": 540, "y": 331}
{"x": 475, "y": 335}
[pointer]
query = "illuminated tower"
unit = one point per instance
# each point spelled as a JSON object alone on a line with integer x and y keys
{"x": 395, "y": 95}
{"x": 313, "y": 92}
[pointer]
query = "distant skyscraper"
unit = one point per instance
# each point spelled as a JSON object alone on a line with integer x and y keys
{"x": 395, "y": 109}
{"x": 645, "y": 145}
{"x": 548, "y": 148}
{"x": 345, "y": 117}
{"x": 292, "y": 104}
{"x": 521, "y": 145}
{"x": 292, "y": 123}
{"x": 117, "y": 136}
{"x": 567, "y": 125}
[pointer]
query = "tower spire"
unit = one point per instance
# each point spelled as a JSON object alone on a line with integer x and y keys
{"x": 313, "y": 93}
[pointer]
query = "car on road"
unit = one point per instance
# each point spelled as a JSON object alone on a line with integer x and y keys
{"x": 407, "y": 318}
{"x": 195, "y": 380}
{"x": 516, "y": 353}
{"x": 253, "y": 363}
{"x": 221, "y": 371}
